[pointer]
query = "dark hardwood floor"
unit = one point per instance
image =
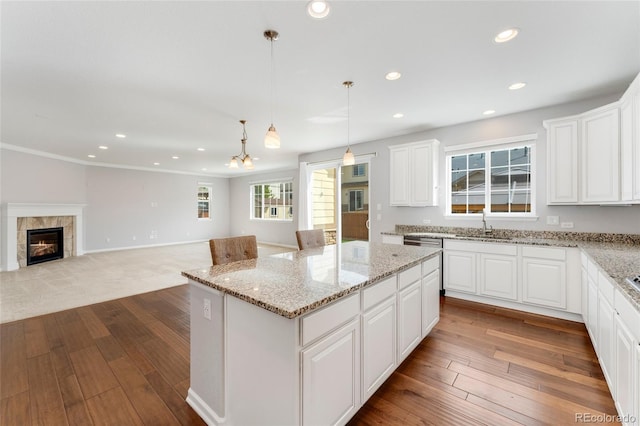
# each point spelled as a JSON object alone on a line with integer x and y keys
{"x": 126, "y": 362}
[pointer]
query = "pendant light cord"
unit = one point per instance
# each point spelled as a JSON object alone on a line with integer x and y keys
{"x": 272, "y": 80}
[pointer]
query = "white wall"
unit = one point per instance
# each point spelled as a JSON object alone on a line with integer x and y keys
{"x": 585, "y": 218}
{"x": 118, "y": 201}
{"x": 280, "y": 232}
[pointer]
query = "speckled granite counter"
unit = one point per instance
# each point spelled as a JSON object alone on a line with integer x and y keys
{"x": 292, "y": 284}
{"x": 617, "y": 254}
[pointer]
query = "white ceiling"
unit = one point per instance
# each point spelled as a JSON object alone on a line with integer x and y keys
{"x": 177, "y": 76}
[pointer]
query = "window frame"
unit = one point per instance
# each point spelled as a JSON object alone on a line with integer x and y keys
{"x": 266, "y": 215}
{"x": 207, "y": 201}
{"x": 486, "y": 148}
{"x": 358, "y": 167}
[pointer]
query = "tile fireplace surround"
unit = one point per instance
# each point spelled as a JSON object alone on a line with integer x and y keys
{"x": 18, "y": 217}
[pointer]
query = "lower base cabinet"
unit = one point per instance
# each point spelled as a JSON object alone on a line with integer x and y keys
{"x": 378, "y": 345}
{"x": 430, "y": 300}
{"x": 331, "y": 378}
{"x": 409, "y": 319}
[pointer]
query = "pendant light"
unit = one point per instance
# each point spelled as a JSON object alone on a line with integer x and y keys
{"x": 348, "y": 159}
{"x": 272, "y": 138}
{"x": 243, "y": 156}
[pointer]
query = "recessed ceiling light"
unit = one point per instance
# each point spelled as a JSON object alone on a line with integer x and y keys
{"x": 204, "y": 169}
{"x": 393, "y": 75}
{"x": 200, "y": 149}
{"x": 103, "y": 147}
{"x": 506, "y": 35}
{"x": 318, "y": 9}
{"x": 516, "y": 86}
{"x": 175, "y": 157}
{"x": 398, "y": 115}
{"x": 255, "y": 158}
{"x": 120, "y": 135}
{"x": 489, "y": 112}
{"x": 156, "y": 164}
{"x": 91, "y": 156}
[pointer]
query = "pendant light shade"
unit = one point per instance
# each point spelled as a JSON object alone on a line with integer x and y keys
{"x": 272, "y": 138}
{"x": 348, "y": 159}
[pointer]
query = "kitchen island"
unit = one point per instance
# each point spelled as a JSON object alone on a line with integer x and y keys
{"x": 306, "y": 337}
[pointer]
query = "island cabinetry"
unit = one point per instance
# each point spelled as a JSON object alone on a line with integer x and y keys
{"x": 627, "y": 348}
{"x": 413, "y": 172}
{"x": 606, "y": 333}
{"x": 430, "y": 294}
{"x": 544, "y": 277}
{"x": 378, "y": 334}
{"x": 409, "y": 311}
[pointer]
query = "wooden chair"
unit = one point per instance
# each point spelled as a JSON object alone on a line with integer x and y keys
{"x": 310, "y": 239}
{"x": 233, "y": 249}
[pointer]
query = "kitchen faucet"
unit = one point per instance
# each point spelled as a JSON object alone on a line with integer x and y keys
{"x": 485, "y": 230}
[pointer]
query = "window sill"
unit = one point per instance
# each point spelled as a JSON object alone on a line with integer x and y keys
{"x": 271, "y": 220}
{"x": 478, "y": 217}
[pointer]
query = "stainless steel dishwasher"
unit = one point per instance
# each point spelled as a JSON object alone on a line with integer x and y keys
{"x": 426, "y": 239}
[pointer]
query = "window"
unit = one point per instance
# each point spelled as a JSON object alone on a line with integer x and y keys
{"x": 204, "y": 202}
{"x": 359, "y": 170}
{"x": 272, "y": 201}
{"x": 355, "y": 200}
{"x": 498, "y": 180}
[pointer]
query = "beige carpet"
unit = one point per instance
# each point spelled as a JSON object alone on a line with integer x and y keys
{"x": 97, "y": 277}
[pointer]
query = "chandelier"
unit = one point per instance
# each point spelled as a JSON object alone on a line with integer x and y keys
{"x": 243, "y": 156}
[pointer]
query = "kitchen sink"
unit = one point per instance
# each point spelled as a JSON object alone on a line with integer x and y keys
{"x": 488, "y": 237}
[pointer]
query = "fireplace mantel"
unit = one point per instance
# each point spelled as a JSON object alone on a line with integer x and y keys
{"x": 9, "y": 234}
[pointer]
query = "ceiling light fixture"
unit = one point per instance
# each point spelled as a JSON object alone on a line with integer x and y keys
{"x": 272, "y": 138}
{"x": 103, "y": 147}
{"x": 91, "y": 156}
{"x": 506, "y": 35}
{"x": 517, "y": 86}
{"x": 393, "y": 75}
{"x": 348, "y": 159}
{"x": 120, "y": 135}
{"x": 200, "y": 149}
{"x": 318, "y": 9}
{"x": 175, "y": 157}
{"x": 489, "y": 112}
{"x": 398, "y": 115}
{"x": 243, "y": 156}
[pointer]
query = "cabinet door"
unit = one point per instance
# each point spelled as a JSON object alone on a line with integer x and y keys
{"x": 460, "y": 271}
{"x": 562, "y": 162}
{"x": 636, "y": 379}
{"x": 498, "y": 276}
{"x": 331, "y": 377}
{"x": 430, "y": 301}
{"x": 600, "y": 157}
{"x": 423, "y": 175}
{"x": 636, "y": 156}
{"x": 544, "y": 282}
{"x": 399, "y": 176}
{"x": 378, "y": 345}
{"x": 409, "y": 319}
{"x": 592, "y": 323}
{"x": 606, "y": 344}
{"x": 623, "y": 374}
{"x": 584, "y": 293}
{"x": 626, "y": 150}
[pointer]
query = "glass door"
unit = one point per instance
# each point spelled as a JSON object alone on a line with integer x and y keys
{"x": 324, "y": 199}
{"x": 354, "y": 208}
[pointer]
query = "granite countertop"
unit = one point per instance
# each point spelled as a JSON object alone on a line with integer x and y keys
{"x": 292, "y": 284}
{"x": 616, "y": 254}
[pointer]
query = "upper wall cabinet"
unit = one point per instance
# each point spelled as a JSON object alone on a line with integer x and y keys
{"x": 413, "y": 172}
{"x": 593, "y": 158}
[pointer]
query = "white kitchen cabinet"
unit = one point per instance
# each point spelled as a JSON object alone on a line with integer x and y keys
{"x": 636, "y": 376}
{"x": 378, "y": 334}
{"x": 331, "y": 377}
{"x": 606, "y": 332}
{"x": 430, "y": 301}
{"x": 562, "y": 161}
{"x": 499, "y": 275}
{"x": 627, "y": 349}
{"x": 413, "y": 171}
{"x": 592, "y": 321}
{"x": 460, "y": 271}
{"x": 584, "y": 289}
{"x": 600, "y": 155}
{"x": 544, "y": 277}
{"x": 409, "y": 319}
{"x": 392, "y": 239}
{"x": 630, "y": 142}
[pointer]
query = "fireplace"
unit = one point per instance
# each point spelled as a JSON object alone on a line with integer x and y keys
{"x": 44, "y": 245}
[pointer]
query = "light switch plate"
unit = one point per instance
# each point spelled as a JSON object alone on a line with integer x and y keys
{"x": 553, "y": 220}
{"x": 566, "y": 225}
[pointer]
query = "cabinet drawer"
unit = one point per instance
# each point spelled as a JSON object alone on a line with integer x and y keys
{"x": 605, "y": 287}
{"x": 318, "y": 323}
{"x": 409, "y": 276}
{"x": 376, "y": 293}
{"x": 544, "y": 253}
{"x": 628, "y": 314}
{"x": 428, "y": 266}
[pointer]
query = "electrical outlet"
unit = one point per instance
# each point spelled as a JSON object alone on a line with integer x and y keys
{"x": 379, "y": 207}
{"x": 566, "y": 225}
{"x": 426, "y": 221}
{"x": 378, "y": 217}
{"x": 134, "y": 238}
{"x": 206, "y": 309}
{"x": 553, "y": 220}
{"x": 107, "y": 239}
